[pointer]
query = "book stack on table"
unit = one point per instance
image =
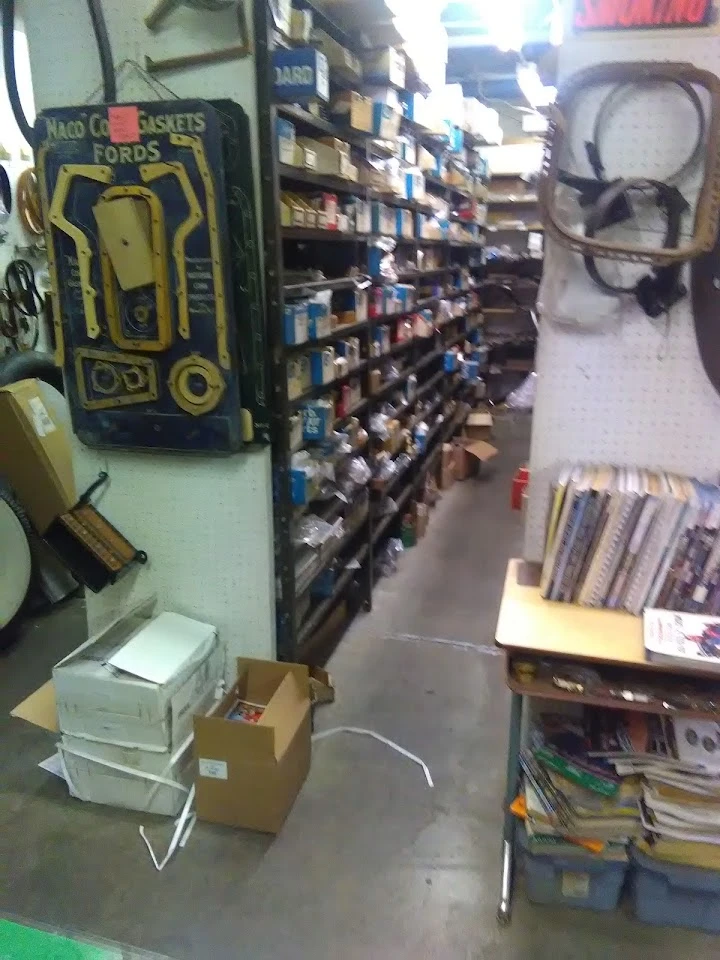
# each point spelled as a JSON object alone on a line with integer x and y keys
{"x": 575, "y": 802}
{"x": 627, "y": 538}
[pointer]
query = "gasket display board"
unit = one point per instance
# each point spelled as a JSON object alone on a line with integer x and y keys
{"x": 146, "y": 308}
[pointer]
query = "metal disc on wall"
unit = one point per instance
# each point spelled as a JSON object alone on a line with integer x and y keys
{"x": 15, "y": 563}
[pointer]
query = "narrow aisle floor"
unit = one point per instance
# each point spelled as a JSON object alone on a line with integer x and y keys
{"x": 372, "y": 862}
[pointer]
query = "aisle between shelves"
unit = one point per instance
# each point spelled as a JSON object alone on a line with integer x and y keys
{"x": 374, "y": 231}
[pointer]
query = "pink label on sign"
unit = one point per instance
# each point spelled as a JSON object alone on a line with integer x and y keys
{"x": 124, "y": 123}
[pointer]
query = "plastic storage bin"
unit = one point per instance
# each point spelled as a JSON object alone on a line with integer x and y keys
{"x": 575, "y": 881}
{"x": 675, "y": 895}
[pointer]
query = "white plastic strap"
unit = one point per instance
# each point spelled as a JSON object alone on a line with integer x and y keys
{"x": 180, "y": 835}
{"x": 121, "y": 767}
{"x": 376, "y": 736}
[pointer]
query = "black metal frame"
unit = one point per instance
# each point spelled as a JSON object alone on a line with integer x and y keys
{"x": 295, "y": 641}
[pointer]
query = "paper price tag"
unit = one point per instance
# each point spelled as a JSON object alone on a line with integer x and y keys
{"x": 42, "y": 420}
{"x": 124, "y": 124}
{"x": 215, "y": 769}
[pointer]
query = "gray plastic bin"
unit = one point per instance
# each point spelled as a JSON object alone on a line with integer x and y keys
{"x": 675, "y": 895}
{"x": 575, "y": 881}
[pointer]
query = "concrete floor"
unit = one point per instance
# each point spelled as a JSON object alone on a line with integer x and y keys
{"x": 372, "y": 863}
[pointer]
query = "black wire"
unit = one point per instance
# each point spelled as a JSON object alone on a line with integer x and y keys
{"x": 104, "y": 51}
{"x": 8, "y": 47}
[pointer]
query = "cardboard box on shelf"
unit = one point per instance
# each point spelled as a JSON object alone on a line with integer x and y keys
{"x": 353, "y": 110}
{"x": 301, "y": 25}
{"x": 249, "y": 774}
{"x": 304, "y": 157}
{"x": 346, "y": 64}
{"x": 35, "y": 453}
{"x": 328, "y": 159}
{"x": 385, "y": 66}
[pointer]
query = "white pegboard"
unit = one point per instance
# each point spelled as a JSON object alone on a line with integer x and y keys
{"x": 635, "y": 393}
{"x": 205, "y": 522}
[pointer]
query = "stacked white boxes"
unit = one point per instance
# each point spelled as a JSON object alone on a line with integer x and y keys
{"x": 125, "y": 706}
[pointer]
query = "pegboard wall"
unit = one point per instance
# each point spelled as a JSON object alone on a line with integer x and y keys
{"x": 205, "y": 522}
{"x": 634, "y": 391}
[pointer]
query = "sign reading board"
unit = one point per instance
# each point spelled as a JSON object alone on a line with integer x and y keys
{"x": 640, "y": 14}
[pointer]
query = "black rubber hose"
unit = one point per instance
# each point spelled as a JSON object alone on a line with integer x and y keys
{"x": 8, "y": 47}
{"x": 23, "y": 366}
{"x": 104, "y": 51}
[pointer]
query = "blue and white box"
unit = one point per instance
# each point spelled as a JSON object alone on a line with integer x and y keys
{"x": 299, "y": 486}
{"x": 322, "y": 366}
{"x": 296, "y": 322}
{"x": 386, "y": 122}
{"x": 317, "y": 419}
{"x": 286, "y": 141}
{"x": 450, "y": 363}
{"x": 319, "y": 320}
{"x": 301, "y": 75}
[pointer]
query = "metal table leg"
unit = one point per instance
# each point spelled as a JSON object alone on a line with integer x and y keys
{"x": 508, "y": 847}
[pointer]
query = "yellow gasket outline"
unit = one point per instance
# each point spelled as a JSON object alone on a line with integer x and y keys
{"x": 162, "y": 287}
{"x": 147, "y": 365}
{"x": 52, "y": 265}
{"x": 195, "y": 144}
{"x": 56, "y": 217}
{"x": 149, "y": 172}
{"x": 180, "y": 373}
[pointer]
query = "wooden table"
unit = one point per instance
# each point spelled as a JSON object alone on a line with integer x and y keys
{"x": 529, "y": 625}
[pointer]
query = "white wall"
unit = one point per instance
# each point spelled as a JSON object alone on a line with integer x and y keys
{"x": 205, "y": 522}
{"x": 634, "y": 391}
{"x": 12, "y": 141}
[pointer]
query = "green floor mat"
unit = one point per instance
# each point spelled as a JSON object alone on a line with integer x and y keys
{"x": 21, "y": 942}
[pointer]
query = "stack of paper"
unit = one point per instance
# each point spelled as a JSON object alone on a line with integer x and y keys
{"x": 680, "y": 808}
{"x": 627, "y": 538}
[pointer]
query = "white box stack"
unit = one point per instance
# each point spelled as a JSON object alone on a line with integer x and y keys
{"x": 125, "y": 706}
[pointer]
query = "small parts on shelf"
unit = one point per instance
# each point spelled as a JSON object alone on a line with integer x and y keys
{"x": 614, "y": 686}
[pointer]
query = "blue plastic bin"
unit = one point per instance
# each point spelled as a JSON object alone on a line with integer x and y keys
{"x": 573, "y": 881}
{"x": 675, "y": 895}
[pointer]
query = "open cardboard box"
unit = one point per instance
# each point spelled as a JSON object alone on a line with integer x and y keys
{"x": 249, "y": 774}
{"x": 469, "y": 454}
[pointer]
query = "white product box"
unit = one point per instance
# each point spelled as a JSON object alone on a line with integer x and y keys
{"x": 138, "y": 684}
{"x": 130, "y": 778}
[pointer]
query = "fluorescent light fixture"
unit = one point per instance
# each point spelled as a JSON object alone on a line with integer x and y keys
{"x": 533, "y": 89}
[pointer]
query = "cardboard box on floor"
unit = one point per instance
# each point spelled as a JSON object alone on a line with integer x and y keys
{"x": 479, "y": 424}
{"x": 249, "y": 774}
{"x": 35, "y": 454}
{"x": 469, "y": 455}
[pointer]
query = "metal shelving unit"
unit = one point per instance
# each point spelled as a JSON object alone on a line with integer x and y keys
{"x": 434, "y": 267}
